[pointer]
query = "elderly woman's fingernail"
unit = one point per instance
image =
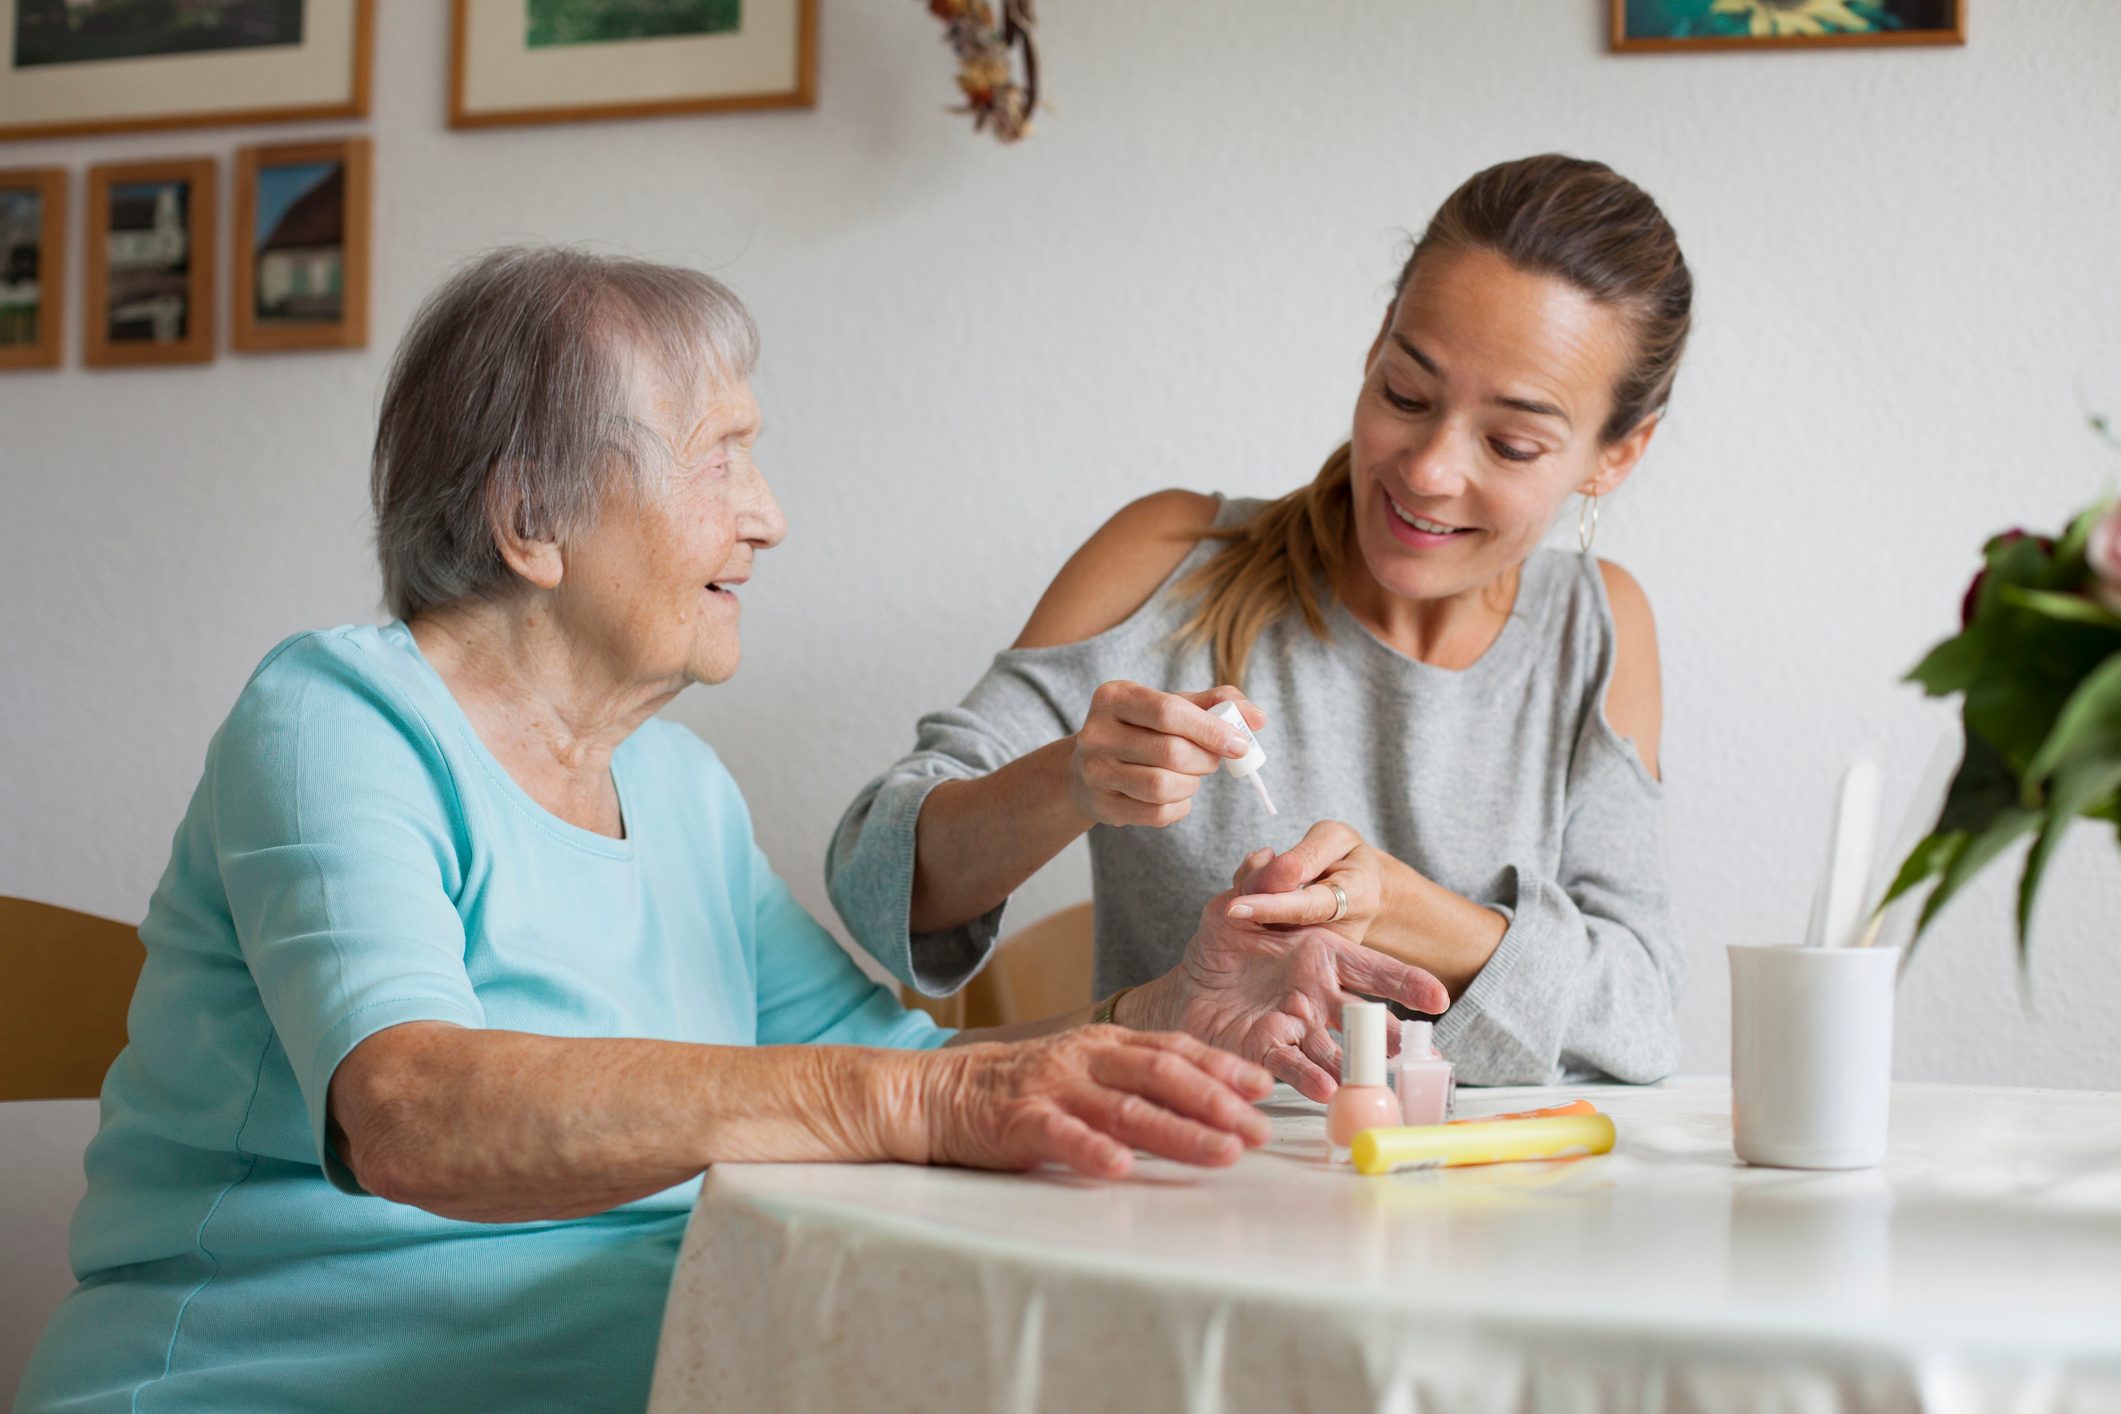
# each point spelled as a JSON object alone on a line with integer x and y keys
{"x": 1240, "y": 910}
{"x": 1235, "y": 745}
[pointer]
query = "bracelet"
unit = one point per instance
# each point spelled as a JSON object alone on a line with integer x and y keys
{"x": 1103, "y": 1015}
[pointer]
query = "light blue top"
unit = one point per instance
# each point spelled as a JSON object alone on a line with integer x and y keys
{"x": 355, "y": 858}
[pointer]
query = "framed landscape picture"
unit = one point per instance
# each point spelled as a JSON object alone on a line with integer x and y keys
{"x": 300, "y": 268}
{"x": 551, "y": 61}
{"x": 32, "y": 272}
{"x": 1650, "y": 26}
{"x": 149, "y": 291}
{"x": 99, "y": 66}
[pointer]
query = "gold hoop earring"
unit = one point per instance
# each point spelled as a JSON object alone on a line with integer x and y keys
{"x": 1587, "y": 522}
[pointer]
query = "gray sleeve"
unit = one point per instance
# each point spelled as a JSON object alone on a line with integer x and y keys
{"x": 1029, "y": 697}
{"x": 1585, "y": 982}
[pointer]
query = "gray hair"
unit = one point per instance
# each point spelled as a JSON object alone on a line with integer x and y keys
{"x": 515, "y": 388}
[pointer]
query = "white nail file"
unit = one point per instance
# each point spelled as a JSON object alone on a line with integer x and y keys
{"x": 1848, "y": 866}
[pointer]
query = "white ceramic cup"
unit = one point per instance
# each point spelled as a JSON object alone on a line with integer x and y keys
{"x": 1811, "y": 1055}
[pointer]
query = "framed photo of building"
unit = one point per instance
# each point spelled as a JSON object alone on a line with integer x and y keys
{"x": 32, "y": 265}
{"x": 101, "y": 66}
{"x": 300, "y": 272}
{"x": 149, "y": 292}
{"x": 1662, "y": 26}
{"x": 556, "y": 61}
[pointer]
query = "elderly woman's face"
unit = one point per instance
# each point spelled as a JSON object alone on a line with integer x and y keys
{"x": 1479, "y": 415}
{"x": 653, "y": 588}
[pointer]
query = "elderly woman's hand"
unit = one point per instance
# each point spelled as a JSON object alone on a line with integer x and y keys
{"x": 1271, "y": 993}
{"x": 1087, "y": 1098}
{"x": 1296, "y": 887}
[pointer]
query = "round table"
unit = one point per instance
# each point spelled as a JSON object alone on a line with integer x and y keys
{"x": 1979, "y": 1268}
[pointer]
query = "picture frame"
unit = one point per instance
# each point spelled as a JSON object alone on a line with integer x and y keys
{"x": 557, "y": 61}
{"x": 299, "y": 267}
{"x": 106, "y": 66}
{"x": 32, "y": 266}
{"x": 148, "y": 286}
{"x": 1682, "y": 26}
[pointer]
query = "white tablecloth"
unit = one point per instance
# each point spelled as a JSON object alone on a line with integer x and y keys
{"x": 1980, "y": 1268}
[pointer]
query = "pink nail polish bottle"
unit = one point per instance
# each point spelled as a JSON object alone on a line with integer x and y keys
{"x": 1362, "y": 1101}
{"x": 1425, "y": 1080}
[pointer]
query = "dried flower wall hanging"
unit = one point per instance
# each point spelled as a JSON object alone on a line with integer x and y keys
{"x": 986, "y": 73}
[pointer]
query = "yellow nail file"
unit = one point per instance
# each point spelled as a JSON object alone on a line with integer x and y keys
{"x": 1430, "y": 1146}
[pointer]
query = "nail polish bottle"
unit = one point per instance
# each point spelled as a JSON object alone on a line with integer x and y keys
{"x": 1246, "y": 767}
{"x": 1426, "y": 1084}
{"x": 1362, "y": 1101}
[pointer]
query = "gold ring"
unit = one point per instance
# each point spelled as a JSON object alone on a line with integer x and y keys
{"x": 1340, "y": 903}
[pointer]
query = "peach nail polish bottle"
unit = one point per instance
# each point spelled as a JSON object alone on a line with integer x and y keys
{"x": 1362, "y": 1101}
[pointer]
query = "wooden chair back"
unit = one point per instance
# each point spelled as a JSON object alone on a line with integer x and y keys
{"x": 66, "y": 979}
{"x": 1041, "y": 970}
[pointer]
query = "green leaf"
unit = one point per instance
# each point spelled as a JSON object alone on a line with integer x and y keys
{"x": 2071, "y": 608}
{"x": 1952, "y": 665}
{"x": 2037, "y": 663}
{"x": 2087, "y": 728}
{"x": 2007, "y": 828}
{"x": 2057, "y": 821}
{"x": 2085, "y": 786}
{"x": 2029, "y": 882}
{"x": 2079, "y": 535}
{"x": 2019, "y": 562}
{"x": 1982, "y": 789}
{"x": 1927, "y": 858}
{"x": 1933, "y": 856}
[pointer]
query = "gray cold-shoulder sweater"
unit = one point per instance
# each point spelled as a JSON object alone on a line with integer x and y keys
{"x": 1503, "y": 782}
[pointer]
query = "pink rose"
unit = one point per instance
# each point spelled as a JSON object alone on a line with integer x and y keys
{"x": 2103, "y": 554}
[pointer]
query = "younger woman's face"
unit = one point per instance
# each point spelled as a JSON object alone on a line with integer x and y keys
{"x": 1479, "y": 416}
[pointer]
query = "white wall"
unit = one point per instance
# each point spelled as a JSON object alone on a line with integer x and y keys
{"x": 1909, "y": 293}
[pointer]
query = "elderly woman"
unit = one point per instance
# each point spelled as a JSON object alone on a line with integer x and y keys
{"x": 465, "y": 966}
{"x": 1473, "y": 720}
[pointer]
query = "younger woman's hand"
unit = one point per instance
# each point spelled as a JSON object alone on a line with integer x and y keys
{"x": 1141, "y": 753}
{"x": 1296, "y": 888}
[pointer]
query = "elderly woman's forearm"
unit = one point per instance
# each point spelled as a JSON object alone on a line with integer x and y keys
{"x": 501, "y": 1126}
{"x": 978, "y": 840}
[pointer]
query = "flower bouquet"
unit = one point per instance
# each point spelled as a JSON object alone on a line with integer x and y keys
{"x": 2037, "y": 661}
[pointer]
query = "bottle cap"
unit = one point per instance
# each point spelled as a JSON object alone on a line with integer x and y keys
{"x": 1362, "y": 1030}
{"x": 1416, "y": 1040}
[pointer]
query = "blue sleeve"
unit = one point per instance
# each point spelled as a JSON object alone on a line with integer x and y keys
{"x": 810, "y": 991}
{"x": 337, "y": 839}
